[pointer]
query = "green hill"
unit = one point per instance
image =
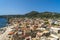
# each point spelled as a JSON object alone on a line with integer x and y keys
{"x": 33, "y": 14}
{"x": 43, "y": 14}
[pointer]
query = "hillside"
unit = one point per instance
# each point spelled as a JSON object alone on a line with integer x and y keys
{"x": 36, "y": 14}
{"x": 43, "y": 14}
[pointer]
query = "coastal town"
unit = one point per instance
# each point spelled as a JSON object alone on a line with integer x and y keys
{"x": 31, "y": 29}
{"x": 29, "y": 19}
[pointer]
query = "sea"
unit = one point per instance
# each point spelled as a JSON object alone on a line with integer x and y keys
{"x": 3, "y": 22}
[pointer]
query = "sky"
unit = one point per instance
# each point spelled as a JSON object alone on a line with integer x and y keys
{"x": 12, "y": 7}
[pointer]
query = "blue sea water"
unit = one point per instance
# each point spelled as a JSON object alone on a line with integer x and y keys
{"x": 3, "y": 22}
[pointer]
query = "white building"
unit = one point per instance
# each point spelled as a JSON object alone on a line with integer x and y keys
{"x": 54, "y": 30}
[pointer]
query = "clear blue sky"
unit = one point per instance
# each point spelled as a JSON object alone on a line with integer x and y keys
{"x": 24, "y": 6}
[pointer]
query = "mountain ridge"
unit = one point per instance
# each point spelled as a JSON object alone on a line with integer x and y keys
{"x": 36, "y": 14}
